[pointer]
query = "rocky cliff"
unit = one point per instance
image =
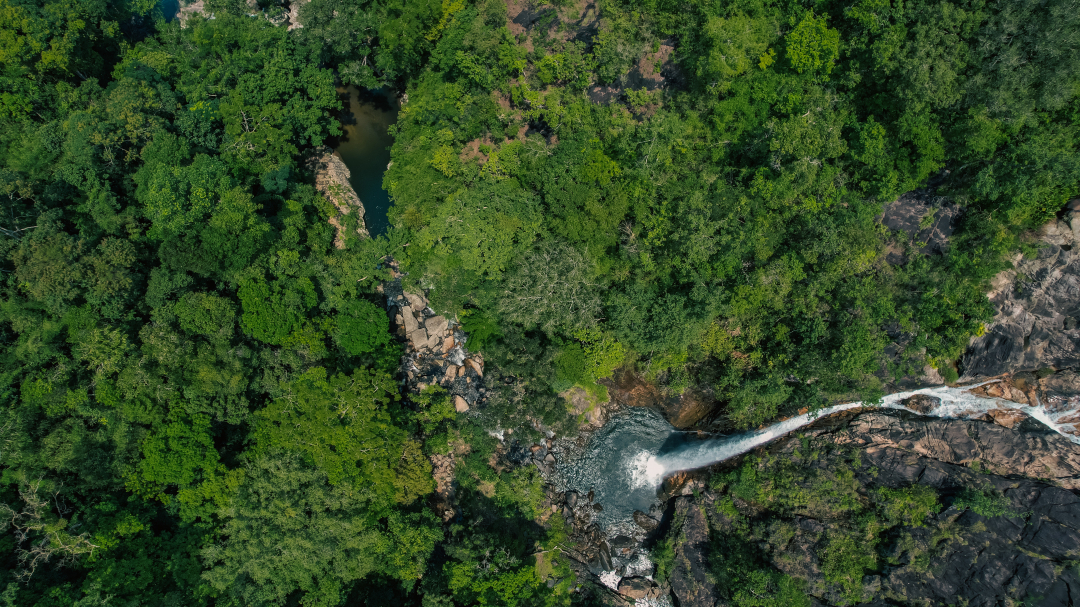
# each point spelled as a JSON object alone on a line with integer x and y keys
{"x": 1038, "y": 307}
{"x": 332, "y": 181}
{"x": 892, "y": 509}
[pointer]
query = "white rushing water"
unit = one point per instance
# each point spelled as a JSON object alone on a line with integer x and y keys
{"x": 647, "y": 470}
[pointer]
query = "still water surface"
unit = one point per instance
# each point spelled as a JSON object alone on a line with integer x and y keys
{"x": 365, "y": 148}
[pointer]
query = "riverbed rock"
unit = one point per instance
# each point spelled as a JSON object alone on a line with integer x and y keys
{"x": 411, "y": 324}
{"x": 636, "y": 587}
{"x": 921, "y": 403}
{"x": 460, "y": 404}
{"x": 418, "y": 338}
{"x": 436, "y": 325}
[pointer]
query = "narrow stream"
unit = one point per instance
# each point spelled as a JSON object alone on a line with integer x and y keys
{"x": 364, "y": 147}
{"x": 625, "y": 461}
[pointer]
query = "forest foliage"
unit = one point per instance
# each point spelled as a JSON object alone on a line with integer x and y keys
{"x": 199, "y": 394}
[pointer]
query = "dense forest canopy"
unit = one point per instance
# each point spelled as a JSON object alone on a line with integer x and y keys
{"x": 201, "y": 398}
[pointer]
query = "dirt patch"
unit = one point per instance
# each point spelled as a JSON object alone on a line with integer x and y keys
{"x": 472, "y": 150}
{"x": 579, "y": 22}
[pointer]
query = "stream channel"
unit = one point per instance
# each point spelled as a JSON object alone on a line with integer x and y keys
{"x": 364, "y": 147}
{"x": 624, "y": 462}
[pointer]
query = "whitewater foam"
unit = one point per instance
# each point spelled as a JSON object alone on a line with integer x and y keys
{"x": 956, "y": 403}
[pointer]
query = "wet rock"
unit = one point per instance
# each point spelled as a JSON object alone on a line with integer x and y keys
{"x": 1008, "y": 418}
{"x": 687, "y": 409}
{"x": 635, "y": 587}
{"x": 691, "y": 575}
{"x": 549, "y": 458}
{"x": 645, "y": 521}
{"x": 571, "y": 498}
{"x": 604, "y": 556}
{"x": 597, "y": 507}
{"x": 922, "y": 403}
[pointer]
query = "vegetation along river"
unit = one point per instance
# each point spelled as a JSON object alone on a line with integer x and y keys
{"x": 364, "y": 146}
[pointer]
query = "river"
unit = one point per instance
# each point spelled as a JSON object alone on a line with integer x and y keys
{"x": 625, "y": 461}
{"x": 364, "y": 147}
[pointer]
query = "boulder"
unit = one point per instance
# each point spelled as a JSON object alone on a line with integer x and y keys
{"x": 416, "y": 301}
{"x": 921, "y": 403}
{"x": 645, "y": 521}
{"x": 451, "y": 373}
{"x": 635, "y": 587}
{"x": 432, "y": 342}
{"x": 460, "y": 404}
{"x": 436, "y": 325}
{"x": 571, "y": 498}
{"x": 410, "y": 321}
{"x": 691, "y": 574}
{"x": 418, "y": 338}
{"x": 475, "y": 366}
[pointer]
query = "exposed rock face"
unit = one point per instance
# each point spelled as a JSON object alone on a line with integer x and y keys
{"x": 332, "y": 181}
{"x": 1021, "y": 554}
{"x": 924, "y": 217}
{"x": 1038, "y": 307}
{"x": 1031, "y": 450}
{"x": 689, "y": 409}
{"x": 690, "y": 577}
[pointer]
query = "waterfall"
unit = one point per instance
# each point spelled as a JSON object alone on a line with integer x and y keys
{"x": 649, "y": 469}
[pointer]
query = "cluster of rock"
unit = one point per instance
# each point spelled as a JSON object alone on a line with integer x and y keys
{"x": 618, "y": 563}
{"x": 967, "y": 558}
{"x": 437, "y": 354}
{"x": 537, "y": 454}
